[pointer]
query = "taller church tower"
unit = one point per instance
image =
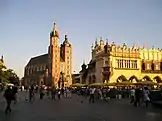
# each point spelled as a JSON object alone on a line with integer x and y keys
{"x": 54, "y": 56}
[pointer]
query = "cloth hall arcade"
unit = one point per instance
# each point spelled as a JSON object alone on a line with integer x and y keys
{"x": 115, "y": 63}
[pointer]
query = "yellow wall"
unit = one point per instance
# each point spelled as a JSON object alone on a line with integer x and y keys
{"x": 144, "y": 54}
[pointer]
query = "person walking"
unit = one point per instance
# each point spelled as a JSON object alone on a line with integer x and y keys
{"x": 91, "y": 98}
{"x": 9, "y": 96}
{"x": 146, "y": 97}
{"x": 53, "y": 93}
{"x": 132, "y": 95}
{"x": 137, "y": 97}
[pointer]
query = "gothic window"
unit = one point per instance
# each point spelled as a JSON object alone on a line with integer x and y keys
{"x": 152, "y": 66}
{"x": 129, "y": 64}
{"x": 135, "y": 63}
{"x": 160, "y": 66}
{"x": 132, "y": 64}
{"x": 28, "y": 72}
{"x": 125, "y": 63}
{"x": 68, "y": 62}
{"x": 121, "y": 63}
{"x": 68, "y": 67}
{"x": 148, "y": 66}
{"x": 157, "y": 67}
{"x": 143, "y": 66}
{"x": 117, "y": 63}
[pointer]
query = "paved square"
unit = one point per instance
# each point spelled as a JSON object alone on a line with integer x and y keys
{"x": 74, "y": 110}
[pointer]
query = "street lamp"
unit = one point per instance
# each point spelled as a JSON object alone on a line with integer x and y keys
{"x": 59, "y": 82}
{"x": 62, "y": 79}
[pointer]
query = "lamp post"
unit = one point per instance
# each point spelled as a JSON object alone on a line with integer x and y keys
{"x": 62, "y": 79}
{"x": 59, "y": 82}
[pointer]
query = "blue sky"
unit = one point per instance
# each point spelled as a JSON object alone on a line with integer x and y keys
{"x": 25, "y": 26}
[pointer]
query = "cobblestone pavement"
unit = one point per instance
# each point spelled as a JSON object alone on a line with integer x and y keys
{"x": 77, "y": 109}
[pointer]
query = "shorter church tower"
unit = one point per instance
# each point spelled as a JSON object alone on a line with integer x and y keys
{"x": 66, "y": 53}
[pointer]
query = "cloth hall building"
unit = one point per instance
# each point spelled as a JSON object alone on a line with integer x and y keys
{"x": 49, "y": 68}
{"x": 115, "y": 63}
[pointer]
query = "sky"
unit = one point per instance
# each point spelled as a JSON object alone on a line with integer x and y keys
{"x": 25, "y": 26}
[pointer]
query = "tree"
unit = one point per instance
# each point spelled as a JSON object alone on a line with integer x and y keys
{"x": 8, "y": 75}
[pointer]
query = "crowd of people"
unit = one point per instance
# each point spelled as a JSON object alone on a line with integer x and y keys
{"x": 51, "y": 92}
{"x": 137, "y": 95}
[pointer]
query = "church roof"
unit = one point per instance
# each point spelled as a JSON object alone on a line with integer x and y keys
{"x": 41, "y": 59}
{"x": 38, "y": 60}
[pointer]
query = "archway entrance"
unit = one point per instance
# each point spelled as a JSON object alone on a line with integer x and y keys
{"x": 133, "y": 79}
{"x": 158, "y": 79}
{"x": 146, "y": 78}
{"x": 121, "y": 78}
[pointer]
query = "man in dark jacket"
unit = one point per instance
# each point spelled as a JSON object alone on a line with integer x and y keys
{"x": 137, "y": 97}
{"x": 9, "y": 96}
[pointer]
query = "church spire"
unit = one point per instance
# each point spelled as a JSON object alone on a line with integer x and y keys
{"x": 55, "y": 32}
{"x": 54, "y": 26}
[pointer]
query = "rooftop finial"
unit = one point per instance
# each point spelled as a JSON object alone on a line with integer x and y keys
{"x": 83, "y": 62}
{"x": 107, "y": 41}
{"x": 92, "y": 46}
{"x": 66, "y": 37}
{"x": 54, "y": 25}
{"x": 96, "y": 43}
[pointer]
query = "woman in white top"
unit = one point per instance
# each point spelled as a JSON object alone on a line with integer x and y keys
{"x": 146, "y": 94}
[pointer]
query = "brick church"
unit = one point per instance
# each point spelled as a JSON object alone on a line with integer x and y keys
{"x": 50, "y": 68}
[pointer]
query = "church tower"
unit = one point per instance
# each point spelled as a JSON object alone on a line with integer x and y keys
{"x": 54, "y": 56}
{"x": 66, "y": 52}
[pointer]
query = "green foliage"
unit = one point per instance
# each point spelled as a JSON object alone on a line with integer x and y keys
{"x": 8, "y": 75}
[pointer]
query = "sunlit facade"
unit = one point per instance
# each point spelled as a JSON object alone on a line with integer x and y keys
{"x": 116, "y": 63}
{"x": 47, "y": 68}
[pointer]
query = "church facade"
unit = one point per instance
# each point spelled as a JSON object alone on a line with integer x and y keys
{"x": 115, "y": 63}
{"x": 53, "y": 67}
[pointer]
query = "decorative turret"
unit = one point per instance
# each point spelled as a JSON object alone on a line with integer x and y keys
{"x": 106, "y": 47}
{"x": 101, "y": 41}
{"x": 92, "y": 47}
{"x": 124, "y": 45}
{"x": 84, "y": 66}
{"x": 113, "y": 43}
{"x": 96, "y": 43}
